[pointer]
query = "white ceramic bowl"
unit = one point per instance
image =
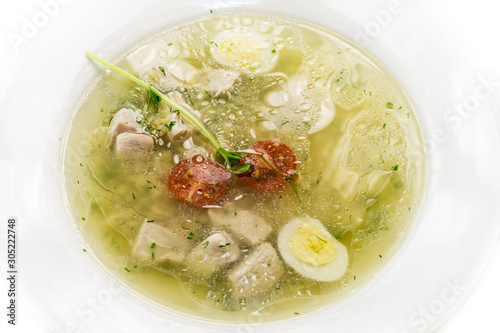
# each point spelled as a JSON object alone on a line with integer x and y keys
{"x": 457, "y": 227}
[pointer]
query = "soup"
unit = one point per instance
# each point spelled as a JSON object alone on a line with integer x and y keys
{"x": 268, "y": 168}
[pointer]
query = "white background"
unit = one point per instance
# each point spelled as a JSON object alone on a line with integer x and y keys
{"x": 474, "y": 25}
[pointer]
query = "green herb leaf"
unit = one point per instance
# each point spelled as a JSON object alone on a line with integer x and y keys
{"x": 149, "y": 221}
{"x": 223, "y": 245}
{"x": 133, "y": 196}
{"x": 153, "y": 97}
{"x": 170, "y": 125}
{"x": 395, "y": 167}
{"x": 307, "y": 126}
{"x": 163, "y": 69}
{"x": 230, "y": 158}
{"x": 384, "y": 126}
{"x": 83, "y": 218}
{"x": 153, "y": 245}
{"x": 244, "y": 168}
{"x": 339, "y": 237}
{"x": 320, "y": 239}
{"x": 273, "y": 51}
{"x": 125, "y": 268}
{"x": 191, "y": 235}
{"x": 84, "y": 250}
{"x": 205, "y": 244}
{"x": 389, "y": 105}
{"x": 208, "y": 94}
{"x": 169, "y": 44}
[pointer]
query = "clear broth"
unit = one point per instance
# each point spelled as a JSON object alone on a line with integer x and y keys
{"x": 363, "y": 179}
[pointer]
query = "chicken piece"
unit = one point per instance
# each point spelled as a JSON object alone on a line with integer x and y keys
{"x": 257, "y": 272}
{"x": 211, "y": 254}
{"x": 124, "y": 121}
{"x": 166, "y": 244}
{"x": 250, "y": 229}
{"x": 130, "y": 144}
{"x": 179, "y": 130}
{"x": 220, "y": 82}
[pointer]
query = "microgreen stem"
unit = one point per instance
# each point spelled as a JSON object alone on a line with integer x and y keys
{"x": 286, "y": 177}
{"x": 188, "y": 114}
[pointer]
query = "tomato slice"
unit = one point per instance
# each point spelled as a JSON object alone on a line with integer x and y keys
{"x": 199, "y": 181}
{"x": 261, "y": 176}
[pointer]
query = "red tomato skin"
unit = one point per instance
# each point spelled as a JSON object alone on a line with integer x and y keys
{"x": 198, "y": 181}
{"x": 262, "y": 177}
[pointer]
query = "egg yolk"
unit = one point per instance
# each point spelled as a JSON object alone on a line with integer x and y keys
{"x": 312, "y": 245}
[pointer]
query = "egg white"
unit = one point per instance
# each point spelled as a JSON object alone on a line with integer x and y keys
{"x": 331, "y": 271}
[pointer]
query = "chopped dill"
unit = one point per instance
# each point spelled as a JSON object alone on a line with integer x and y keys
{"x": 170, "y": 125}
{"x": 320, "y": 239}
